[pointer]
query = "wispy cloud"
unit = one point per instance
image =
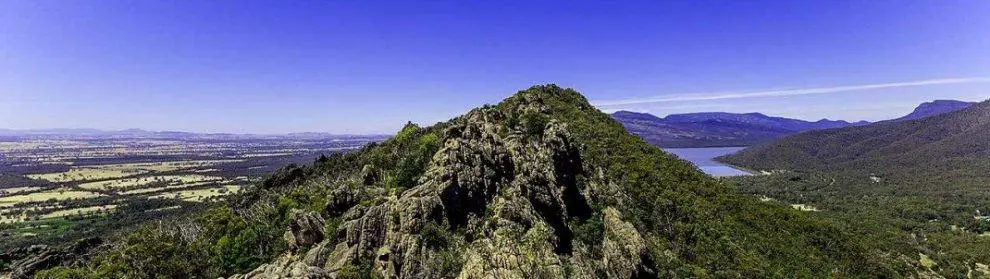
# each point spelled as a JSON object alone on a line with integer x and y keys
{"x": 783, "y": 92}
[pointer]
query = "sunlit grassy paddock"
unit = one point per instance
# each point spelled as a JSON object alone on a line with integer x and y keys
{"x": 79, "y": 211}
{"x": 57, "y": 194}
{"x": 170, "y": 180}
{"x": 166, "y": 188}
{"x": 103, "y": 172}
{"x": 199, "y": 194}
{"x": 15, "y": 190}
{"x": 88, "y": 173}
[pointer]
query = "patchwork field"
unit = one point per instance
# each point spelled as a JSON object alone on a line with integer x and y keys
{"x": 167, "y": 180}
{"x": 56, "y": 195}
{"x": 80, "y": 211}
{"x": 15, "y": 190}
{"x": 103, "y": 172}
{"x": 199, "y": 194}
{"x": 88, "y": 173}
{"x": 65, "y": 187}
{"x": 167, "y": 188}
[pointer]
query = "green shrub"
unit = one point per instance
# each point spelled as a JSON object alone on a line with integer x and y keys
{"x": 331, "y": 226}
{"x": 435, "y": 236}
{"x": 590, "y": 231}
{"x": 364, "y": 271}
{"x": 414, "y": 163}
{"x": 65, "y": 273}
{"x": 534, "y": 123}
{"x": 451, "y": 262}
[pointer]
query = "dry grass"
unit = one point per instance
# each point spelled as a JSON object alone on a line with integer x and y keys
{"x": 925, "y": 261}
{"x": 15, "y": 190}
{"x": 57, "y": 194}
{"x": 79, "y": 211}
{"x": 5, "y": 213}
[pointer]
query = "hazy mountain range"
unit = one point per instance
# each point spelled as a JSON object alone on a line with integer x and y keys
{"x": 144, "y": 134}
{"x": 935, "y": 108}
{"x": 714, "y": 129}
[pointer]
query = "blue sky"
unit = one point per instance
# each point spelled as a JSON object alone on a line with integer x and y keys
{"x": 370, "y": 66}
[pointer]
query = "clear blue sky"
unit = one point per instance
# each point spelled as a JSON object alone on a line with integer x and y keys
{"x": 370, "y": 66}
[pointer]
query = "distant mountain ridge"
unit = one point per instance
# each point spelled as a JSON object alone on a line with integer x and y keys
{"x": 935, "y": 108}
{"x": 715, "y": 129}
{"x": 719, "y": 129}
{"x": 756, "y": 118}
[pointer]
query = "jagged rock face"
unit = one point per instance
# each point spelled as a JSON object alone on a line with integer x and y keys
{"x": 305, "y": 230}
{"x": 625, "y": 250}
{"x": 286, "y": 267}
{"x": 42, "y": 257}
{"x": 493, "y": 202}
{"x": 26, "y": 261}
{"x": 341, "y": 200}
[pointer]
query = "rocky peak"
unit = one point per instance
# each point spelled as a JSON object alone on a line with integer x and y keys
{"x": 496, "y": 200}
{"x": 935, "y": 107}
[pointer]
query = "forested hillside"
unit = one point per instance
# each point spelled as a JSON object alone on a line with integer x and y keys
{"x": 918, "y": 184}
{"x": 541, "y": 185}
{"x": 947, "y": 146}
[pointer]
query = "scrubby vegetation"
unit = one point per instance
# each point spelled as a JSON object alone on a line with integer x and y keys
{"x": 541, "y": 185}
{"x": 914, "y": 187}
{"x": 885, "y": 218}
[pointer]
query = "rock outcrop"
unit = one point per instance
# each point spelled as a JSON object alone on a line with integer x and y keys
{"x": 624, "y": 249}
{"x": 495, "y": 202}
{"x": 305, "y": 230}
{"x": 26, "y": 261}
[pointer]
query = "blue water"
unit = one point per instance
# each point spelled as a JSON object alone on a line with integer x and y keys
{"x": 702, "y": 157}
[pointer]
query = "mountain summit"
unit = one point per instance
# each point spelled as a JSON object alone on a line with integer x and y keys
{"x": 935, "y": 108}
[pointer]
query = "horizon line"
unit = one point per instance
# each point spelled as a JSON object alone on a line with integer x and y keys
{"x": 55, "y": 131}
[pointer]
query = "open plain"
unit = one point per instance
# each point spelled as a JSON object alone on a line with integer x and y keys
{"x": 68, "y": 186}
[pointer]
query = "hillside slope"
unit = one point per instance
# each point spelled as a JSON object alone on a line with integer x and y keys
{"x": 891, "y": 182}
{"x": 716, "y": 129}
{"x": 955, "y": 143}
{"x": 542, "y": 185}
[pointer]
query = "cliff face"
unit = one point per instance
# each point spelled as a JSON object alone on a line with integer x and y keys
{"x": 496, "y": 200}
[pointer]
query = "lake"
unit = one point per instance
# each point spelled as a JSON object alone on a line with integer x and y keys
{"x": 702, "y": 157}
